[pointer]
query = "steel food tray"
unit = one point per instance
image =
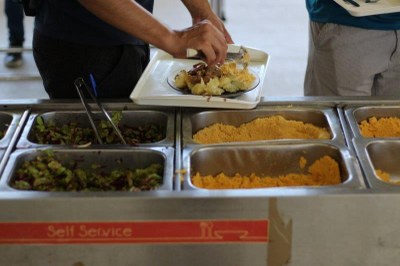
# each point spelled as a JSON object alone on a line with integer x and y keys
{"x": 374, "y": 153}
{"x": 108, "y": 158}
{"x": 356, "y": 114}
{"x": 153, "y": 87}
{"x": 379, "y": 154}
{"x": 164, "y": 118}
{"x": 9, "y": 120}
{"x": 268, "y": 159}
{"x": 194, "y": 120}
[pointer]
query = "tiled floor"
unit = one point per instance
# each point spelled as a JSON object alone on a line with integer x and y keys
{"x": 277, "y": 27}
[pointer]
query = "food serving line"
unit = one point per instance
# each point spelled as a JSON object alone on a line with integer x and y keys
{"x": 179, "y": 223}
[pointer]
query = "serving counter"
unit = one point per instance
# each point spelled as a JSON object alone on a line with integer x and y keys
{"x": 352, "y": 223}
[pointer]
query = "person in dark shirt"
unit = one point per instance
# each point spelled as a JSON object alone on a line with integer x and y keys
{"x": 15, "y": 24}
{"x": 352, "y": 56}
{"x": 109, "y": 40}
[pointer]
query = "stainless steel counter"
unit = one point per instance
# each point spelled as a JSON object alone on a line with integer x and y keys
{"x": 181, "y": 224}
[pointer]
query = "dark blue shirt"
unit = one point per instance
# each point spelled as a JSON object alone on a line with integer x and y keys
{"x": 328, "y": 11}
{"x": 68, "y": 20}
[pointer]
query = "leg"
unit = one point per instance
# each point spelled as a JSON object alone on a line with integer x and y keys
{"x": 116, "y": 69}
{"x": 15, "y": 17}
{"x": 345, "y": 60}
{"x": 387, "y": 83}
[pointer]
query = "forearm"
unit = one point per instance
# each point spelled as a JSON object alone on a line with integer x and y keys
{"x": 130, "y": 17}
{"x": 136, "y": 21}
{"x": 198, "y": 9}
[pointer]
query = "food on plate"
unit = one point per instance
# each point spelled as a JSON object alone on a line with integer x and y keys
{"x": 322, "y": 172}
{"x": 46, "y": 173}
{"x": 380, "y": 127}
{"x": 2, "y": 134}
{"x": 74, "y": 134}
{"x": 264, "y": 128}
{"x": 214, "y": 80}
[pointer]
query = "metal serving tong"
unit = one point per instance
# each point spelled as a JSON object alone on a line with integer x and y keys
{"x": 235, "y": 53}
{"x": 81, "y": 87}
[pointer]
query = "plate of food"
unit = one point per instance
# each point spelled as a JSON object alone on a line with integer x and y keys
{"x": 227, "y": 80}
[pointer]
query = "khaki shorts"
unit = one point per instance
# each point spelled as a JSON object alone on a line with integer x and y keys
{"x": 349, "y": 61}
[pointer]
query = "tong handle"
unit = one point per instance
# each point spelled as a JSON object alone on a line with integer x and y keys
{"x": 80, "y": 84}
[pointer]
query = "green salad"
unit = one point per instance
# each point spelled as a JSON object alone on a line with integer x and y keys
{"x": 72, "y": 133}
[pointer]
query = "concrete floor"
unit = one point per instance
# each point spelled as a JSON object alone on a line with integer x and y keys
{"x": 277, "y": 27}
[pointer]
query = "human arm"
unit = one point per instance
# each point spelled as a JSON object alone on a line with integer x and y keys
{"x": 130, "y": 17}
{"x": 200, "y": 10}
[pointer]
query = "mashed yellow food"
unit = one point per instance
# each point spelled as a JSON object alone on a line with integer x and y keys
{"x": 266, "y": 128}
{"x": 380, "y": 128}
{"x": 322, "y": 172}
{"x": 384, "y": 176}
{"x": 225, "y": 79}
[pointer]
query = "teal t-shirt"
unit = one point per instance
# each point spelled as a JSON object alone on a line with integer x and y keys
{"x": 328, "y": 11}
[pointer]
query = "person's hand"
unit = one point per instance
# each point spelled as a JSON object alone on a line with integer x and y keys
{"x": 204, "y": 37}
{"x": 217, "y": 22}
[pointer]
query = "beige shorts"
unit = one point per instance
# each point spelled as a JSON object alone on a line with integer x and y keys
{"x": 349, "y": 61}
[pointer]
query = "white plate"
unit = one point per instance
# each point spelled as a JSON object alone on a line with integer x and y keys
{"x": 368, "y": 9}
{"x": 171, "y": 82}
{"x": 153, "y": 88}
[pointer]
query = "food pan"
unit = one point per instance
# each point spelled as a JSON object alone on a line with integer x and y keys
{"x": 107, "y": 159}
{"x": 131, "y": 118}
{"x": 8, "y": 124}
{"x": 268, "y": 160}
{"x": 355, "y": 115}
{"x": 322, "y": 117}
{"x": 383, "y": 155}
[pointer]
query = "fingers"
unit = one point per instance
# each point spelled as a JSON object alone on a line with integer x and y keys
{"x": 216, "y": 21}
{"x": 207, "y": 38}
{"x": 227, "y": 36}
{"x": 203, "y": 37}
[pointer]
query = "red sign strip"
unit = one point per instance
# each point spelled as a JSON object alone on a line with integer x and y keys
{"x": 136, "y": 232}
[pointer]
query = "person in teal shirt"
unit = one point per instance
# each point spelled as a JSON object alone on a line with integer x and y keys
{"x": 351, "y": 56}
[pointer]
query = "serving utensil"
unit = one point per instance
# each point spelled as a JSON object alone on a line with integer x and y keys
{"x": 239, "y": 54}
{"x": 81, "y": 87}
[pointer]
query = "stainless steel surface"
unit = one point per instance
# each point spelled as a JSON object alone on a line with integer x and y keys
{"x": 380, "y": 155}
{"x": 267, "y": 159}
{"x": 129, "y": 118}
{"x": 2, "y": 151}
{"x": 307, "y": 223}
{"x": 194, "y": 121}
{"x": 8, "y": 122}
{"x": 356, "y": 114}
{"x": 374, "y": 153}
{"x": 178, "y": 174}
{"x": 383, "y": 155}
{"x": 109, "y": 160}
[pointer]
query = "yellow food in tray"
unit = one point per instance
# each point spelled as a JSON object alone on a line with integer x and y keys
{"x": 265, "y": 128}
{"x": 385, "y": 176}
{"x": 322, "y": 172}
{"x": 380, "y": 127}
{"x": 215, "y": 80}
